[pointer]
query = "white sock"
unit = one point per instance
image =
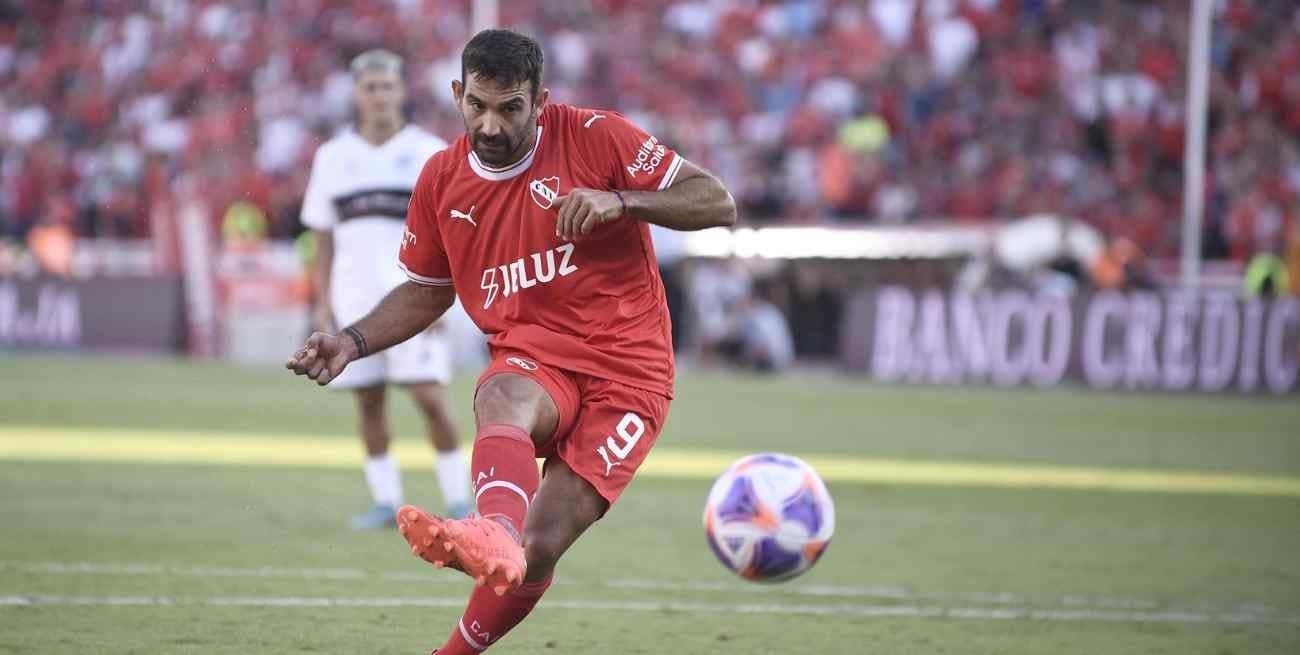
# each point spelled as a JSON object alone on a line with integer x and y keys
{"x": 384, "y": 479}
{"x": 453, "y": 477}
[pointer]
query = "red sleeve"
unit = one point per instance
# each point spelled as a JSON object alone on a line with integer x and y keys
{"x": 629, "y": 157}
{"x": 423, "y": 257}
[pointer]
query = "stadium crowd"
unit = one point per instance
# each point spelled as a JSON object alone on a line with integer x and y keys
{"x": 811, "y": 110}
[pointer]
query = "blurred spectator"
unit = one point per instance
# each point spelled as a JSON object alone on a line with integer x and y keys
{"x": 718, "y": 288}
{"x": 670, "y": 251}
{"x": 739, "y": 320}
{"x": 1266, "y": 276}
{"x": 765, "y": 341}
{"x": 810, "y": 110}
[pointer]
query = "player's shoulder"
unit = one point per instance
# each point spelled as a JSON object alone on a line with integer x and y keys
{"x": 330, "y": 148}
{"x": 425, "y": 139}
{"x": 343, "y": 141}
{"x": 580, "y": 121}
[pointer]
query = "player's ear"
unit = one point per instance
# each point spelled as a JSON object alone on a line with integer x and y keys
{"x": 457, "y": 91}
{"x": 540, "y": 101}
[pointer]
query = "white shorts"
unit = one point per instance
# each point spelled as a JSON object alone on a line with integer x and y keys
{"x": 424, "y": 358}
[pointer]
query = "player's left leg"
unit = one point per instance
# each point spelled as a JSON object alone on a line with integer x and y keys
{"x": 564, "y": 507}
{"x": 382, "y": 474}
{"x": 452, "y": 465}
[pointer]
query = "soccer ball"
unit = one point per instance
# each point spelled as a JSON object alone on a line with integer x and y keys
{"x": 769, "y": 517}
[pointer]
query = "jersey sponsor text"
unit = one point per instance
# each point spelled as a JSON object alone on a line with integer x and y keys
{"x": 514, "y": 277}
{"x": 648, "y": 157}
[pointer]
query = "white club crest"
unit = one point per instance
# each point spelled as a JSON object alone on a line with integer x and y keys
{"x": 545, "y": 191}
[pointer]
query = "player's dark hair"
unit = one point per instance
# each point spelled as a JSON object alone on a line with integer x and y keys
{"x": 503, "y": 56}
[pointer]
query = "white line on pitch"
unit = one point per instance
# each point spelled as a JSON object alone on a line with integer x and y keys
{"x": 873, "y": 611}
{"x": 1073, "y": 602}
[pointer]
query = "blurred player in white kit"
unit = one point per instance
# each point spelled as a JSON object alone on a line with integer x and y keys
{"x": 356, "y": 202}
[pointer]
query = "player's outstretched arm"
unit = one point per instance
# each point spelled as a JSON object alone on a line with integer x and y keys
{"x": 695, "y": 201}
{"x": 403, "y": 313}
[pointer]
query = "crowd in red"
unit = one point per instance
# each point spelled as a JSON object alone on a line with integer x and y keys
{"x": 811, "y": 110}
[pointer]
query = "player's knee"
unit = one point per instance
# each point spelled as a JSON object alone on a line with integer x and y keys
{"x": 508, "y": 399}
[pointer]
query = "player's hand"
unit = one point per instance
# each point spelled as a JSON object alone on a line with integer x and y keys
{"x": 323, "y": 357}
{"x": 581, "y": 210}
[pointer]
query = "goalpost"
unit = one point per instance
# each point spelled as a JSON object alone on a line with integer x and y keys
{"x": 1198, "y": 63}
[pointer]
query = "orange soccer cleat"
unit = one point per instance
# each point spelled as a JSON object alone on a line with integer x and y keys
{"x": 481, "y": 548}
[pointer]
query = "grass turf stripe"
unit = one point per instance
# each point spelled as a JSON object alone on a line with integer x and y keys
{"x": 106, "y": 445}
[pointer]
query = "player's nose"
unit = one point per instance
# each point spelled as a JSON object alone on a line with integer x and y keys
{"x": 491, "y": 128}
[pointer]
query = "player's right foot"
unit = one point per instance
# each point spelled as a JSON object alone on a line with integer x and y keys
{"x": 482, "y": 548}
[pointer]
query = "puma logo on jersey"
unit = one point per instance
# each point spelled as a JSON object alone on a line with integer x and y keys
{"x": 609, "y": 464}
{"x": 594, "y": 117}
{"x": 467, "y": 216}
{"x": 513, "y": 277}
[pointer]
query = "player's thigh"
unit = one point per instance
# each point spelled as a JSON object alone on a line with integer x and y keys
{"x": 430, "y": 397}
{"x": 617, "y": 428}
{"x": 370, "y": 400}
{"x": 424, "y": 358}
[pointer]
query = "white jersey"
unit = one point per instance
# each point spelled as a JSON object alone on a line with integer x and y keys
{"x": 360, "y": 192}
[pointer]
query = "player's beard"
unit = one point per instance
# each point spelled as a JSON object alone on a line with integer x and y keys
{"x": 500, "y": 150}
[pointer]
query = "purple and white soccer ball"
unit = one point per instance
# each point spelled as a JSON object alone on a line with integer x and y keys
{"x": 769, "y": 517}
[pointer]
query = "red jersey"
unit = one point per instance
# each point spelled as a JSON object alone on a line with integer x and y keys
{"x": 593, "y": 305}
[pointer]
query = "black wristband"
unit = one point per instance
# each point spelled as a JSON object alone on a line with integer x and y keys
{"x": 621, "y": 201}
{"x": 360, "y": 341}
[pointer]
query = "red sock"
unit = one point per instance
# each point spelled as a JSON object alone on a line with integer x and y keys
{"x": 489, "y": 616}
{"x": 504, "y": 466}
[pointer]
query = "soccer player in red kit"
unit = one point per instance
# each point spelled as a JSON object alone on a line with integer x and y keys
{"x": 537, "y": 219}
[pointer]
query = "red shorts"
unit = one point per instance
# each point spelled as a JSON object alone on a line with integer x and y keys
{"x": 606, "y": 429}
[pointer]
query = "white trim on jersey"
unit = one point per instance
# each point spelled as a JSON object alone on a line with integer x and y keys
{"x": 671, "y": 174}
{"x": 513, "y": 170}
{"x": 421, "y": 279}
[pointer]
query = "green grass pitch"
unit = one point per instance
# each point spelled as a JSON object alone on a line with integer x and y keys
{"x": 148, "y": 557}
